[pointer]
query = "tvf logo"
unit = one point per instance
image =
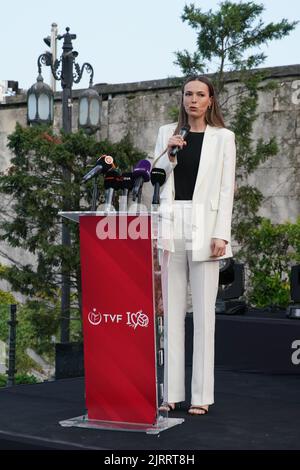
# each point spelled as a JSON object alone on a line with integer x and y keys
{"x": 132, "y": 319}
{"x": 296, "y": 354}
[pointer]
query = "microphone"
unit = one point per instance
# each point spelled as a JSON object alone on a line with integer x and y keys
{"x": 183, "y": 132}
{"x": 111, "y": 183}
{"x": 126, "y": 185}
{"x": 158, "y": 177}
{"x": 103, "y": 164}
{"x": 112, "y": 178}
{"x": 141, "y": 174}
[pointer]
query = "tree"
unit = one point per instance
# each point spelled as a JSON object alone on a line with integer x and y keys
{"x": 227, "y": 39}
{"x": 226, "y": 36}
{"x": 34, "y": 189}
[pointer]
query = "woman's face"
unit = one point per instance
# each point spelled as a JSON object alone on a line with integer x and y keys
{"x": 196, "y": 99}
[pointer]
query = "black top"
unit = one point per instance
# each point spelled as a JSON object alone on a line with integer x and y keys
{"x": 185, "y": 172}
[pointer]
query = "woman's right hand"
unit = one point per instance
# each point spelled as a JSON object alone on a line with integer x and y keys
{"x": 175, "y": 141}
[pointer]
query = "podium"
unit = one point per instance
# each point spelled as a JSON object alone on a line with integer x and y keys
{"x": 122, "y": 326}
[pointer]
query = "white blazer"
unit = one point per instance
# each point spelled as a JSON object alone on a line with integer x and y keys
{"x": 213, "y": 194}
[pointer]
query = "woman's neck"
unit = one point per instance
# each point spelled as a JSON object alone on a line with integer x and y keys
{"x": 197, "y": 125}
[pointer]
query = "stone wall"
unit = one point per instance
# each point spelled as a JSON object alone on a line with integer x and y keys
{"x": 279, "y": 177}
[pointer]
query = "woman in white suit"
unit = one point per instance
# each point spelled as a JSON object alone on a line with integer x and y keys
{"x": 196, "y": 210}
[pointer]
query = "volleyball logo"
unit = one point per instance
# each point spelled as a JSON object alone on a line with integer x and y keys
{"x": 138, "y": 319}
{"x": 94, "y": 317}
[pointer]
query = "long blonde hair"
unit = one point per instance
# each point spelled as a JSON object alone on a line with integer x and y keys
{"x": 213, "y": 115}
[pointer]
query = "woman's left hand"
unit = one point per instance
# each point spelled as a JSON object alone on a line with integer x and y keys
{"x": 218, "y": 247}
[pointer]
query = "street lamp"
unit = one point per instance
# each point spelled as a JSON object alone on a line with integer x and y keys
{"x": 40, "y": 110}
{"x": 40, "y": 100}
{"x": 89, "y": 109}
{"x": 40, "y": 95}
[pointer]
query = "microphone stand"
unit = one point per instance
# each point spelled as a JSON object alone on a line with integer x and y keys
{"x": 108, "y": 199}
{"x": 95, "y": 194}
{"x": 139, "y": 195}
{"x": 123, "y": 201}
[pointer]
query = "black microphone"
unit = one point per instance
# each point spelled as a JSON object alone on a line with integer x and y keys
{"x": 141, "y": 174}
{"x": 183, "y": 132}
{"x": 126, "y": 183}
{"x": 111, "y": 179}
{"x": 158, "y": 177}
{"x": 103, "y": 164}
{"x": 111, "y": 183}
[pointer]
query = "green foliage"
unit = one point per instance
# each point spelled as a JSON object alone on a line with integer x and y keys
{"x": 173, "y": 113}
{"x": 4, "y": 309}
{"x": 38, "y": 191}
{"x": 38, "y": 326}
{"x": 269, "y": 290}
{"x": 19, "y": 379}
{"x": 36, "y": 329}
{"x": 225, "y": 37}
{"x": 25, "y": 379}
{"x": 3, "y": 380}
{"x": 6, "y": 298}
{"x": 189, "y": 64}
{"x": 270, "y": 251}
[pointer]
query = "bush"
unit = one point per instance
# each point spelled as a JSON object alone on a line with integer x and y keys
{"x": 6, "y": 297}
{"x": 269, "y": 290}
{"x": 25, "y": 379}
{"x": 38, "y": 329}
{"x": 3, "y": 380}
{"x": 36, "y": 324}
{"x": 269, "y": 253}
{"x": 19, "y": 379}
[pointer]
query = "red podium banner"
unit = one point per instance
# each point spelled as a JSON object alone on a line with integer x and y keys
{"x": 118, "y": 318}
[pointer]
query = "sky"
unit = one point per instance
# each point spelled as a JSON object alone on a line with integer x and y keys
{"x": 124, "y": 40}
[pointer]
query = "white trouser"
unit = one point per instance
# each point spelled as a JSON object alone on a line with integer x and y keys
{"x": 177, "y": 269}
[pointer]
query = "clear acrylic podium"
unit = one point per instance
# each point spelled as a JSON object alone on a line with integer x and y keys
{"x": 122, "y": 322}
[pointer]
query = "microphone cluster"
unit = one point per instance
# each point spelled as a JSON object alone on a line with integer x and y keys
{"x": 133, "y": 181}
{"x": 128, "y": 182}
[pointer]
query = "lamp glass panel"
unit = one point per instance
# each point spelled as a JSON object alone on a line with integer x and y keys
{"x": 44, "y": 105}
{"x": 94, "y": 112}
{"x": 31, "y": 106}
{"x": 83, "y": 111}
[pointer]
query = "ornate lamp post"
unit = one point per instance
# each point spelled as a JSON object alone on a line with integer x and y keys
{"x": 40, "y": 110}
